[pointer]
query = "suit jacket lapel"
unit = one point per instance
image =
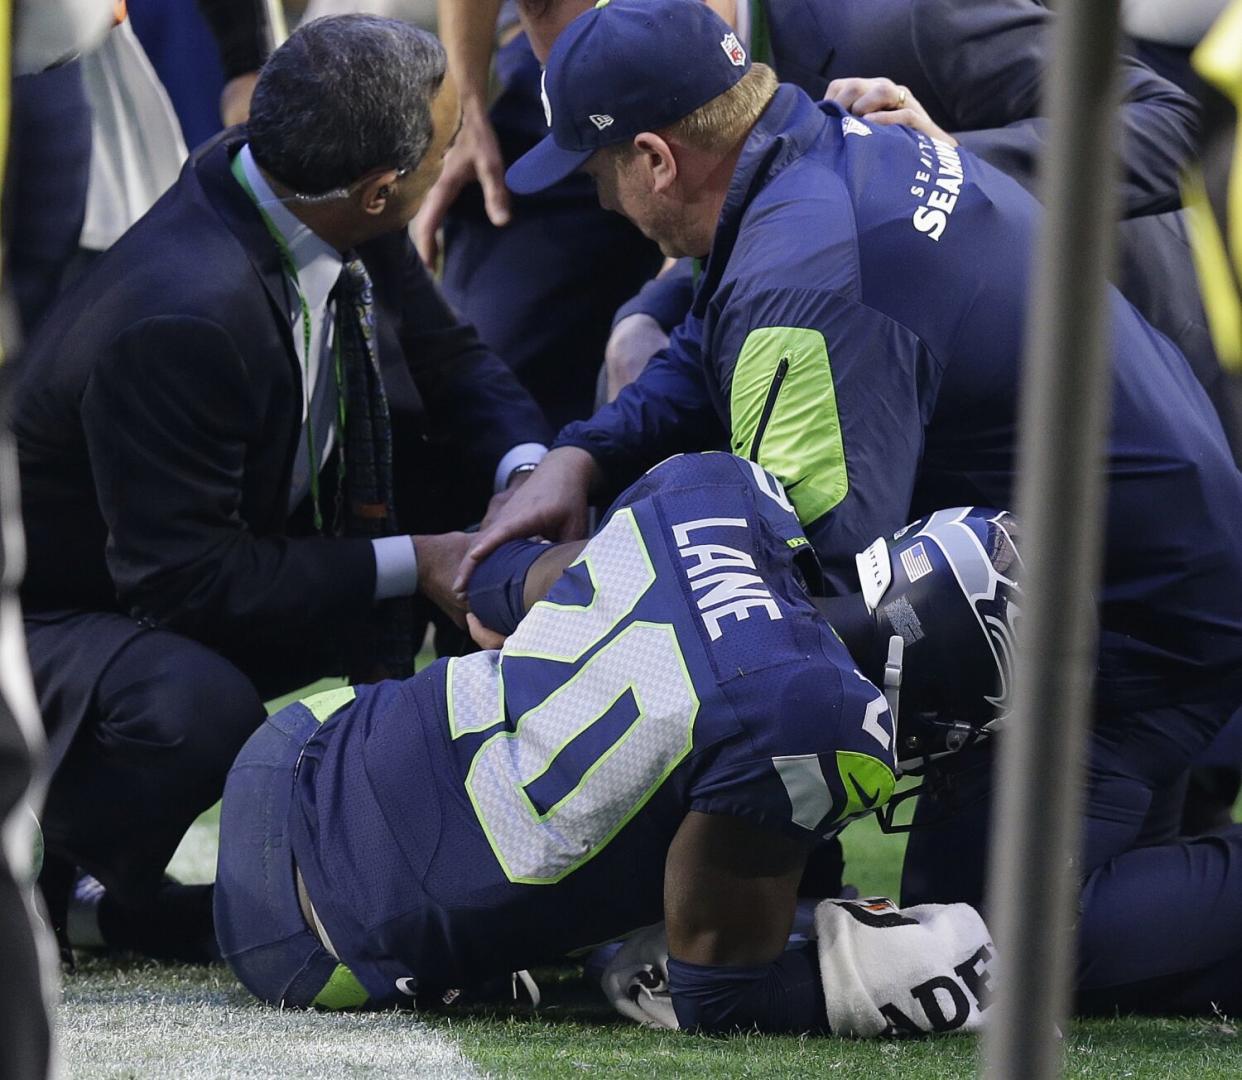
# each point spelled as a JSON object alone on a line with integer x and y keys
{"x": 239, "y": 214}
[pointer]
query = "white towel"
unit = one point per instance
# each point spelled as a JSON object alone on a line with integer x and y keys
{"x": 903, "y": 971}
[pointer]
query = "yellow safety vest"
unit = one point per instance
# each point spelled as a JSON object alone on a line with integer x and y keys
{"x": 6, "y": 76}
{"x": 1213, "y": 189}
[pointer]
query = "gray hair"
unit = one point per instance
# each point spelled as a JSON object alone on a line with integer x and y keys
{"x": 345, "y": 95}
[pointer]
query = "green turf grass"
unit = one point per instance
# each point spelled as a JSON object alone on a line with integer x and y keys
{"x": 551, "y": 1047}
{"x": 139, "y": 1019}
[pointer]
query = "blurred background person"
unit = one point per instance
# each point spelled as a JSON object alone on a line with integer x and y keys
{"x": 96, "y": 139}
{"x": 36, "y": 37}
{"x": 557, "y": 251}
{"x": 207, "y": 56}
{"x": 1163, "y": 33}
{"x": 1214, "y": 202}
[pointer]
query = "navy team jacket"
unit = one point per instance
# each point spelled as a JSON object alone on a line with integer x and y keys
{"x": 858, "y": 331}
{"x": 978, "y": 70}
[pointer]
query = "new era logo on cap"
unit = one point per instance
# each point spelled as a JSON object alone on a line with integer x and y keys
{"x": 600, "y": 120}
{"x": 733, "y": 50}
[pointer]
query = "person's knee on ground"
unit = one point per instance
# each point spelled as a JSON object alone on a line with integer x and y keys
{"x": 1161, "y": 929}
{"x": 171, "y": 716}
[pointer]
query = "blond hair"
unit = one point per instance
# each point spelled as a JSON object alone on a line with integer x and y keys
{"x": 725, "y": 120}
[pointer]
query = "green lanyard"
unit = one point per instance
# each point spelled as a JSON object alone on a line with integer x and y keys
{"x": 290, "y": 268}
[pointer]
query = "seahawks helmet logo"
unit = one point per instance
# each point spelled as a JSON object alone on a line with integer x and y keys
{"x": 989, "y": 580}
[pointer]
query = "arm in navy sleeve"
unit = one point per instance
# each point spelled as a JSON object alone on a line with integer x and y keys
{"x": 666, "y": 298}
{"x": 168, "y": 445}
{"x": 786, "y": 995}
{"x": 987, "y": 61}
{"x": 667, "y": 410}
{"x": 242, "y": 31}
{"x": 845, "y": 431}
{"x": 730, "y": 890}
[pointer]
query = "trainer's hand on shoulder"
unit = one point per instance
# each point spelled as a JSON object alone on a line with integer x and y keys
{"x": 883, "y": 101}
{"x": 475, "y": 155}
{"x": 438, "y": 559}
{"x": 551, "y": 503}
{"x": 631, "y": 345}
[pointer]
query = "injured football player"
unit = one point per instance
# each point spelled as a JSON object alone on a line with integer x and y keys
{"x": 667, "y": 728}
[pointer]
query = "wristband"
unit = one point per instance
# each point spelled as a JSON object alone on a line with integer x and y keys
{"x": 498, "y": 583}
{"x": 786, "y": 995}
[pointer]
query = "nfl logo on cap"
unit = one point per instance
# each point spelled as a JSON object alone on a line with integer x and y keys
{"x": 733, "y": 50}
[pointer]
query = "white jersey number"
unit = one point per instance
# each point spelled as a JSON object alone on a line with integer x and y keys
{"x": 642, "y": 659}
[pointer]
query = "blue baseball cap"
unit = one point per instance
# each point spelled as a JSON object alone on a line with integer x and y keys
{"x": 624, "y": 67}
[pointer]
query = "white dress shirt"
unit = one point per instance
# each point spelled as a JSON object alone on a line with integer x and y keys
{"x": 318, "y": 266}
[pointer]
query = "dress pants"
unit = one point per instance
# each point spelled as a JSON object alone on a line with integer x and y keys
{"x": 143, "y": 726}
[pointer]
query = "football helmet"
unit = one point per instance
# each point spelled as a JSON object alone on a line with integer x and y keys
{"x": 944, "y": 597}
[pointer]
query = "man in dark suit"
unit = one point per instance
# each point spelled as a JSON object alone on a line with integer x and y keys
{"x": 228, "y": 431}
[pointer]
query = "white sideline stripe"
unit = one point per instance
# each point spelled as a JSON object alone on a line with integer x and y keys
{"x": 202, "y": 1024}
{"x": 205, "y": 1033}
{"x": 807, "y": 789}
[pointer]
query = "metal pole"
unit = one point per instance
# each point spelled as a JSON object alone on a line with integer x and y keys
{"x": 1037, "y": 830}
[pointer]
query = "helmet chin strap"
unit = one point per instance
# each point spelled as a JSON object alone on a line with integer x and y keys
{"x": 892, "y": 679}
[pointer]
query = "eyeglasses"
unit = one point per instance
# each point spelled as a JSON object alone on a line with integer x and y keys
{"x": 329, "y": 196}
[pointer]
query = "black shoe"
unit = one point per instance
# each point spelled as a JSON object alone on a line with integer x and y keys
{"x": 56, "y": 881}
{"x": 176, "y": 924}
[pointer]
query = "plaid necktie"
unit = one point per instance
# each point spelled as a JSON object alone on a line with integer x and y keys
{"x": 365, "y": 437}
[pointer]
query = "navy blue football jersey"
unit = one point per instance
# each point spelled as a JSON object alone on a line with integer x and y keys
{"x": 505, "y": 808}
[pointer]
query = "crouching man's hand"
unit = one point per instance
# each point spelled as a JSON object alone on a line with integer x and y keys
{"x": 438, "y": 559}
{"x": 551, "y": 502}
